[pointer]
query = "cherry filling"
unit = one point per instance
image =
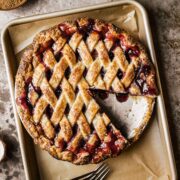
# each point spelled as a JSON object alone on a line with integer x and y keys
{"x": 61, "y": 144}
{"x": 67, "y": 109}
{"x": 103, "y": 94}
{"x": 111, "y": 146}
{"x": 122, "y": 97}
{"x": 119, "y": 74}
{"x": 78, "y": 57}
{"x": 150, "y": 91}
{"x": 111, "y": 143}
{"x": 140, "y": 80}
{"x": 90, "y": 24}
{"x": 122, "y": 40}
{"x": 24, "y": 99}
{"x": 146, "y": 69}
{"x": 111, "y": 55}
{"x": 86, "y": 29}
{"x": 109, "y": 36}
{"x": 132, "y": 52}
{"x": 98, "y": 92}
{"x": 75, "y": 129}
{"x": 38, "y": 90}
{"x": 85, "y": 72}
{"x": 116, "y": 43}
{"x": 30, "y": 86}
{"x": 102, "y": 72}
{"x": 57, "y": 128}
{"x": 76, "y": 90}
{"x": 58, "y": 91}
{"x": 94, "y": 54}
{"x": 66, "y": 30}
{"x": 67, "y": 72}
{"x": 40, "y": 58}
{"x": 127, "y": 56}
{"x": 82, "y": 143}
{"x": 92, "y": 147}
{"x": 48, "y": 111}
{"x": 48, "y": 73}
{"x": 101, "y": 32}
{"x": 75, "y": 149}
{"x": 84, "y": 108}
{"x": 104, "y": 31}
{"x": 58, "y": 56}
{"x": 44, "y": 46}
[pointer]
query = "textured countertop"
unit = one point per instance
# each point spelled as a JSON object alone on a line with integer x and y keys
{"x": 165, "y": 23}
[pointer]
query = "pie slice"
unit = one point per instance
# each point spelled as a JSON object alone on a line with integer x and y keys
{"x": 58, "y": 76}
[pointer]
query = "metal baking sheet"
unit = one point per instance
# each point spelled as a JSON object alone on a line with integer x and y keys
{"x": 26, "y": 144}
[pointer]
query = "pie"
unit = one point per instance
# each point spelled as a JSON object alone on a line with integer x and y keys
{"x": 58, "y": 77}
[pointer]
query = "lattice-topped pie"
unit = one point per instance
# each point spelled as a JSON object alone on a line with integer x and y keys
{"x": 58, "y": 77}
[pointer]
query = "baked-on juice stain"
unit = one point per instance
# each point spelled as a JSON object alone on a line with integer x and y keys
{"x": 140, "y": 80}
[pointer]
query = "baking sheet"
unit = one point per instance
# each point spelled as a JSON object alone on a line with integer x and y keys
{"x": 144, "y": 160}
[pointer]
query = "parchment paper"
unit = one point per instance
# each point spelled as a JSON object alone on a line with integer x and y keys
{"x": 145, "y": 159}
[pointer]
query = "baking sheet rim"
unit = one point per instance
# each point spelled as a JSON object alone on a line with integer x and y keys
{"x": 160, "y": 98}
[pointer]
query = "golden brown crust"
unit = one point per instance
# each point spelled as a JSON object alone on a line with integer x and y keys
{"x": 74, "y": 56}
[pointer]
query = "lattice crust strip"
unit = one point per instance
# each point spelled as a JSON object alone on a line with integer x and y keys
{"x": 53, "y": 87}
